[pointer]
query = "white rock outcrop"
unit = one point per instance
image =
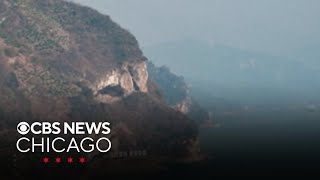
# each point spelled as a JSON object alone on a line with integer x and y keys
{"x": 184, "y": 106}
{"x": 130, "y": 77}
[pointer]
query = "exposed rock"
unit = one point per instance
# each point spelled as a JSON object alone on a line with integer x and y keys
{"x": 139, "y": 75}
{"x": 176, "y": 92}
{"x": 184, "y": 106}
{"x": 96, "y": 72}
{"x": 129, "y": 78}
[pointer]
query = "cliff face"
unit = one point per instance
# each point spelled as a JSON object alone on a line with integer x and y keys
{"x": 54, "y": 49}
{"x": 121, "y": 82}
{"x": 63, "y": 62}
{"x": 176, "y": 93}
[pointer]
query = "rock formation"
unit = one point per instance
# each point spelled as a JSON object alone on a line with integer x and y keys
{"x": 64, "y": 62}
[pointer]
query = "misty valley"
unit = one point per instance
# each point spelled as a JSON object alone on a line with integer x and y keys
{"x": 263, "y": 111}
{"x": 159, "y": 89}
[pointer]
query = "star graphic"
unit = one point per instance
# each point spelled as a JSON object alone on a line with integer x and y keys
{"x": 45, "y": 160}
{"x": 82, "y": 160}
{"x": 58, "y": 160}
{"x": 70, "y": 160}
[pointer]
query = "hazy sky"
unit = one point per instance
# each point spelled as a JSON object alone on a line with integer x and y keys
{"x": 273, "y": 26}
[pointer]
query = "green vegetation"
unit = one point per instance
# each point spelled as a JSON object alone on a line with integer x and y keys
{"x": 9, "y": 52}
{"x": 16, "y": 2}
{"x": 53, "y": 85}
{"x": 9, "y": 38}
{"x": 174, "y": 88}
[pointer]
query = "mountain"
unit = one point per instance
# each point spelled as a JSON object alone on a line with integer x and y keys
{"x": 237, "y": 74}
{"x": 60, "y": 61}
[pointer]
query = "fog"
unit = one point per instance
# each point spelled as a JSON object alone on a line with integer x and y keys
{"x": 272, "y": 26}
{"x": 270, "y": 45}
{"x": 254, "y": 64}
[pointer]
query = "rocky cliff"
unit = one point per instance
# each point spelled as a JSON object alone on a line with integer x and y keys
{"x": 64, "y": 62}
{"x": 121, "y": 82}
{"x": 176, "y": 93}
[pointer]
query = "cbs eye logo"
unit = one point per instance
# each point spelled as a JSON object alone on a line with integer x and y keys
{"x": 23, "y": 128}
